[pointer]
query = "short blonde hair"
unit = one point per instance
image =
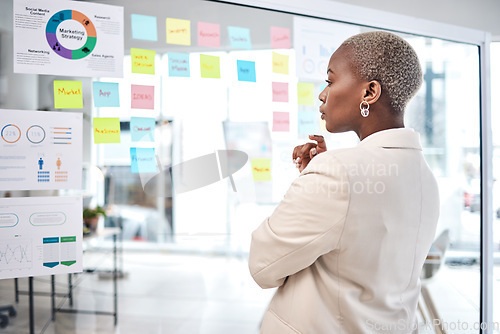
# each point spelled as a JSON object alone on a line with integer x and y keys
{"x": 390, "y": 60}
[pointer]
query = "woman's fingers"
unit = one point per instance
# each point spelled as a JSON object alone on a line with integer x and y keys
{"x": 321, "y": 142}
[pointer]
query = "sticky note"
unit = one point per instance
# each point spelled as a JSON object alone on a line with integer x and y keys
{"x": 68, "y": 94}
{"x": 281, "y": 121}
{"x": 178, "y": 31}
{"x": 144, "y": 27}
{"x": 280, "y": 92}
{"x": 246, "y": 70}
{"x": 209, "y": 34}
{"x": 307, "y": 122}
{"x": 105, "y": 94}
{"x": 280, "y": 63}
{"x": 142, "y": 129}
{"x": 143, "y": 97}
{"x": 142, "y": 160}
{"x": 305, "y": 94}
{"x": 178, "y": 65}
{"x": 280, "y": 38}
{"x": 143, "y": 61}
{"x": 106, "y": 130}
{"x": 261, "y": 169}
{"x": 239, "y": 38}
{"x": 210, "y": 66}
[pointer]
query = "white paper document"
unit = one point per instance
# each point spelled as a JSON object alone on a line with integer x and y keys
{"x": 40, "y": 236}
{"x": 40, "y": 150}
{"x": 68, "y": 38}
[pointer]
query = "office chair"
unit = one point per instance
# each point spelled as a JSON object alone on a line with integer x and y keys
{"x": 4, "y": 319}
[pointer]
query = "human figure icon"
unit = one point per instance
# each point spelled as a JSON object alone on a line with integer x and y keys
{"x": 58, "y": 163}
{"x": 40, "y": 164}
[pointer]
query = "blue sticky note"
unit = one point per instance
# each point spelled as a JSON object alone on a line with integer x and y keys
{"x": 178, "y": 65}
{"x": 144, "y": 27}
{"x": 143, "y": 160}
{"x": 240, "y": 38}
{"x": 308, "y": 122}
{"x": 142, "y": 129}
{"x": 106, "y": 94}
{"x": 246, "y": 70}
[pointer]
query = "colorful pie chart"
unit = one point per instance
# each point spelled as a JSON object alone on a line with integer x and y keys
{"x": 54, "y": 24}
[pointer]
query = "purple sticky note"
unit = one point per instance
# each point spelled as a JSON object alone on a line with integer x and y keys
{"x": 280, "y": 38}
{"x": 143, "y": 97}
{"x": 209, "y": 34}
{"x": 281, "y": 121}
{"x": 280, "y": 92}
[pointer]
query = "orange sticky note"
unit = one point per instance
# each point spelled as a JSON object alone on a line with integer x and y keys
{"x": 178, "y": 31}
{"x": 261, "y": 169}
{"x": 106, "y": 130}
{"x": 143, "y": 61}
{"x": 280, "y": 63}
{"x": 305, "y": 94}
{"x": 68, "y": 94}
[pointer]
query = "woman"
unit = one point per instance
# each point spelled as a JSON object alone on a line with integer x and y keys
{"x": 347, "y": 243}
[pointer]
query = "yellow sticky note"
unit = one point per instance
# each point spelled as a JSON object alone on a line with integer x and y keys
{"x": 210, "y": 66}
{"x": 261, "y": 169}
{"x": 143, "y": 61}
{"x": 305, "y": 93}
{"x": 106, "y": 130}
{"x": 280, "y": 63}
{"x": 178, "y": 31}
{"x": 68, "y": 94}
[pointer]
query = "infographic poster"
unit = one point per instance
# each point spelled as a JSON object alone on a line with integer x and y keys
{"x": 40, "y": 236}
{"x": 68, "y": 38}
{"x": 40, "y": 150}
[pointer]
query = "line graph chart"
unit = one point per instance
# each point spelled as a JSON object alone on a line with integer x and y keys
{"x": 15, "y": 254}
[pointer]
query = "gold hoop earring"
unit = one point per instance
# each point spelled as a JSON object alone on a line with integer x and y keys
{"x": 364, "y": 109}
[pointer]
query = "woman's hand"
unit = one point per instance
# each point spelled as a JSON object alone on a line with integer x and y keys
{"x": 302, "y": 154}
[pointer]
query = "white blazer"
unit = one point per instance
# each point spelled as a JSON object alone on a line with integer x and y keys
{"x": 347, "y": 243}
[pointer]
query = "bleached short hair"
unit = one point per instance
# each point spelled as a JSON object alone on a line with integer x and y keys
{"x": 390, "y": 60}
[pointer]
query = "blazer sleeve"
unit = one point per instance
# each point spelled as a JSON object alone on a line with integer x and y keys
{"x": 305, "y": 225}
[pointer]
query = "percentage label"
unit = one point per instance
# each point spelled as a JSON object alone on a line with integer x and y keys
{"x": 11, "y": 133}
{"x": 35, "y": 134}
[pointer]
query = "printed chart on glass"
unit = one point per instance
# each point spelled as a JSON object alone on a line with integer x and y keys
{"x": 40, "y": 150}
{"x": 40, "y": 236}
{"x": 68, "y": 38}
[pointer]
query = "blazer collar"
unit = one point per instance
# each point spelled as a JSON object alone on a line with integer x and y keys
{"x": 393, "y": 138}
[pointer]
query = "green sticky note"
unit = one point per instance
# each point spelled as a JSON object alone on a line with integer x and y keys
{"x": 210, "y": 66}
{"x": 305, "y": 94}
{"x": 261, "y": 169}
{"x": 106, "y": 130}
{"x": 143, "y": 61}
{"x": 68, "y": 94}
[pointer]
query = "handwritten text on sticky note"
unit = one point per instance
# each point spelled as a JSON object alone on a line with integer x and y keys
{"x": 105, "y": 94}
{"x": 143, "y": 61}
{"x": 280, "y": 38}
{"x": 142, "y": 160}
{"x": 239, "y": 38}
{"x": 178, "y": 65}
{"x": 280, "y": 63}
{"x": 209, "y": 34}
{"x": 246, "y": 70}
{"x": 178, "y": 31}
{"x": 106, "y": 130}
{"x": 280, "y": 91}
{"x": 68, "y": 94}
{"x": 281, "y": 121}
{"x": 307, "y": 122}
{"x": 142, "y": 129}
{"x": 305, "y": 93}
{"x": 143, "y": 97}
{"x": 261, "y": 169}
{"x": 210, "y": 66}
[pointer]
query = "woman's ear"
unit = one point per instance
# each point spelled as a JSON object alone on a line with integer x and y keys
{"x": 372, "y": 92}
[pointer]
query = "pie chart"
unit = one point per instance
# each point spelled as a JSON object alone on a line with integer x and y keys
{"x": 71, "y": 34}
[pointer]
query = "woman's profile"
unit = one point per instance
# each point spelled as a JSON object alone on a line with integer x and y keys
{"x": 347, "y": 243}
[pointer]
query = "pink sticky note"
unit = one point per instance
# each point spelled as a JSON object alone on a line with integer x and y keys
{"x": 280, "y": 38}
{"x": 143, "y": 97}
{"x": 281, "y": 121}
{"x": 280, "y": 92}
{"x": 209, "y": 34}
